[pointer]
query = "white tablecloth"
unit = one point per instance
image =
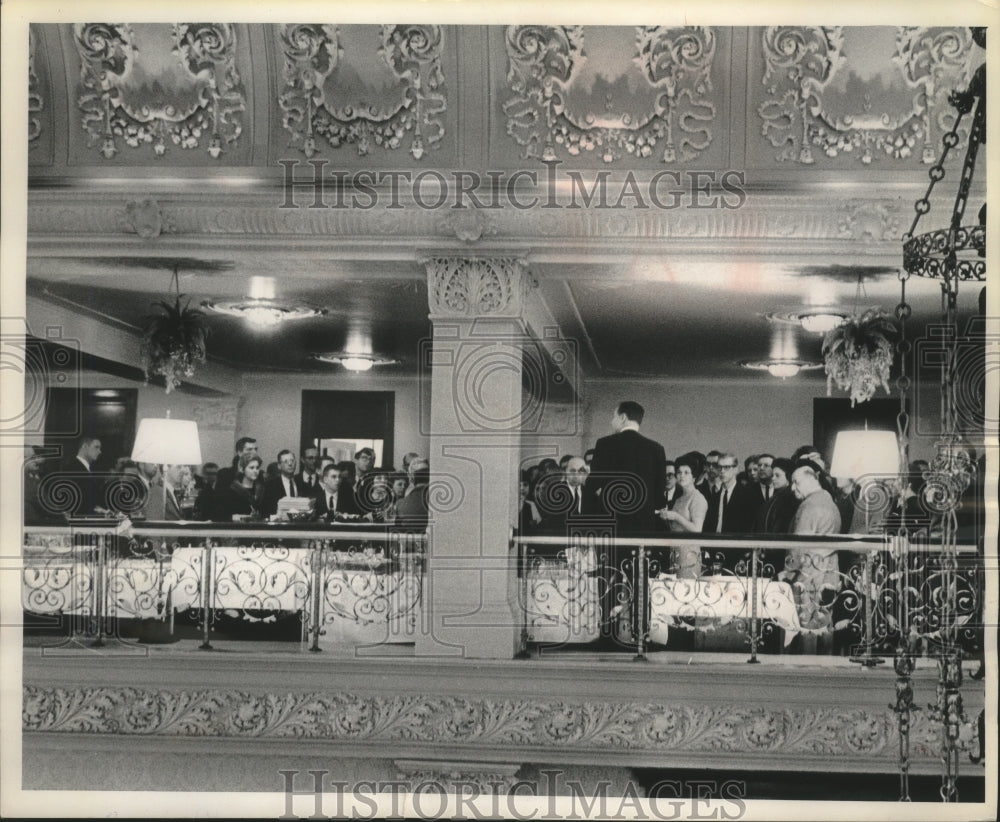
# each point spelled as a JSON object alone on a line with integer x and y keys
{"x": 562, "y": 603}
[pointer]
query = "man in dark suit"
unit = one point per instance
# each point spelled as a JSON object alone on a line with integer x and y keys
{"x": 77, "y": 472}
{"x": 413, "y": 510}
{"x": 335, "y": 496}
{"x": 627, "y": 476}
{"x": 627, "y": 484}
{"x": 559, "y": 497}
{"x": 733, "y": 509}
{"x": 308, "y": 478}
{"x": 282, "y": 485}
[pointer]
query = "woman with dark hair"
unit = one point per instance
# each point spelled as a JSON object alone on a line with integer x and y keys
{"x": 687, "y": 514}
{"x": 775, "y": 516}
{"x": 241, "y": 498}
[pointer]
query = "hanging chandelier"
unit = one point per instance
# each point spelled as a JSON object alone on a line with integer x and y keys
{"x": 952, "y": 255}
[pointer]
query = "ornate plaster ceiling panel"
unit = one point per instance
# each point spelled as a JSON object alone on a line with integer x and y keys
{"x": 839, "y": 97}
{"x": 40, "y": 131}
{"x": 156, "y": 93}
{"x": 364, "y": 93}
{"x": 648, "y": 97}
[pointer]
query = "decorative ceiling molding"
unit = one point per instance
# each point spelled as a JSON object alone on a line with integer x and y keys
{"x": 807, "y": 67}
{"x": 320, "y": 100}
{"x": 518, "y": 725}
{"x": 547, "y": 87}
{"x": 151, "y": 84}
{"x": 766, "y": 224}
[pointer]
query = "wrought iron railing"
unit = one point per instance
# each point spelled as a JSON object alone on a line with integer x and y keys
{"x": 588, "y": 588}
{"x": 354, "y": 584}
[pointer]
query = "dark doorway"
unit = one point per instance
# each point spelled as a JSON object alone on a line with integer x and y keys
{"x": 350, "y": 416}
{"x": 832, "y": 415}
{"x": 106, "y": 413}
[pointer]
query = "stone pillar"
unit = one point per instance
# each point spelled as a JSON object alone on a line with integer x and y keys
{"x": 476, "y": 418}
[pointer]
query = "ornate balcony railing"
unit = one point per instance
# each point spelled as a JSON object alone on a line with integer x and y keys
{"x": 353, "y": 585}
{"x": 865, "y": 590}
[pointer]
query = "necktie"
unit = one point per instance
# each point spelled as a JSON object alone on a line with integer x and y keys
{"x": 291, "y": 485}
{"x": 767, "y": 492}
{"x": 578, "y": 500}
{"x": 723, "y": 501}
{"x": 331, "y": 504}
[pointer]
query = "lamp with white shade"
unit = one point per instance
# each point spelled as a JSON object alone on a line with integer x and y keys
{"x": 164, "y": 441}
{"x": 865, "y": 453}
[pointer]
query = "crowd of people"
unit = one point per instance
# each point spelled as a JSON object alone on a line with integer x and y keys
{"x": 245, "y": 490}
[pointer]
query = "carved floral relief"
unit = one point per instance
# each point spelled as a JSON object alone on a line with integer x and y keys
{"x": 484, "y": 722}
{"x": 157, "y": 85}
{"x": 613, "y": 91}
{"x": 371, "y": 87}
{"x": 874, "y": 93}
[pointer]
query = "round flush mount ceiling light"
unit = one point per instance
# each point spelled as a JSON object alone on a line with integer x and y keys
{"x": 780, "y": 368}
{"x": 353, "y": 361}
{"x": 263, "y": 314}
{"x": 814, "y": 320}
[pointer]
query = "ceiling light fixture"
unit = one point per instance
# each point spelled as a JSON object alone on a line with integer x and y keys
{"x": 815, "y": 320}
{"x": 780, "y": 368}
{"x": 353, "y": 361}
{"x": 263, "y": 314}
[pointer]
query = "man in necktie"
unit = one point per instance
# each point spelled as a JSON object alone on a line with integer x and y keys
{"x": 283, "y": 485}
{"x": 765, "y": 475}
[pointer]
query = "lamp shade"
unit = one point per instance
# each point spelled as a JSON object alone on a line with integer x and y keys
{"x": 859, "y": 453}
{"x": 167, "y": 442}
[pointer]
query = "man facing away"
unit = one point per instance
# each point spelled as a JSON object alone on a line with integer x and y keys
{"x": 628, "y": 474}
{"x": 627, "y": 484}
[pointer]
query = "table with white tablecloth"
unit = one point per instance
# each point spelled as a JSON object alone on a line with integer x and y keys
{"x": 562, "y": 603}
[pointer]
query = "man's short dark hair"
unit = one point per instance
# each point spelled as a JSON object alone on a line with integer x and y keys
{"x": 208, "y": 466}
{"x": 282, "y": 453}
{"x": 86, "y": 439}
{"x": 713, "y": 453}
{"x": 765, "y": 457}
{"x": 329, "y": 468}
{"x": 564, "y": 460}
{"x": 632, "y": 411}
{"x": 241, "y": 442}
{"x": 362, "y": 451}
{"x": 422, "y": 476}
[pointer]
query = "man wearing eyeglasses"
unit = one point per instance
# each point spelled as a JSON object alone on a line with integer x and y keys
{"x": 732, "y": 509}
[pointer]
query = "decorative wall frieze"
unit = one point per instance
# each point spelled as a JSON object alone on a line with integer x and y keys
{"x": 156, "y": 84}
{"x": 571, "y": 97}
{"x": 821, "y": 104}
{"x": 869, "y": 225}
{"x": 469, "y": 287}
{"x": 489, "y": 723}
{"x": 325, "y": 97}
{"x": 35, "y": 101}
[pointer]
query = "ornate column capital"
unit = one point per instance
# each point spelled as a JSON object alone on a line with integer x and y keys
{"x": 471, "y": 287}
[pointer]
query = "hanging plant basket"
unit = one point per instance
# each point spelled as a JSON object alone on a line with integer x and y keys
{"x": 173, "y": 341}
{"x": 859, "y": 353}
